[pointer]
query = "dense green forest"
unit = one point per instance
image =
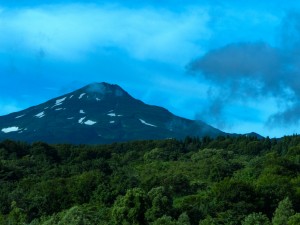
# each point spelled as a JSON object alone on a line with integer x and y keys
{"x": 227, "y": 180}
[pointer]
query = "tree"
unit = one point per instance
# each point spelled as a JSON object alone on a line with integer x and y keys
{"x": 283, "y": 212}
{"x": 161, "y": 204}
{"x": 183, "y": 219}
{"x": 294, "y": 220}
{"x": 256, "y": 219}
{"x": 77, "y": 215}
{"x": 16, "y": 215}
{"x": 208, "y": 221}
{"x": 130, "y": 209}
{"x": 165, "y": 220}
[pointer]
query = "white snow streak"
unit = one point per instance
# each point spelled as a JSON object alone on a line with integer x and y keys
{"x": 81, "y": 95}
{"x": 148, "y": 124}
{"x": 113, "y": 114}
{"x": 81, "y": 111}
{"x": 40, "y": 115}
{"x": 10, "y": 129}
{"x": 19, "y": 116}
{"x": 81, "y": 120}
{"x": 89, "y": 122}
{"x": 58, "y": 101}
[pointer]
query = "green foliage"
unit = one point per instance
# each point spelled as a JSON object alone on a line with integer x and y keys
{"x": 233, "y": 198}
{"x": 283, "y": 212}
{"x": 131, "y": 208}
{"x": 215, "y": 164}
{"x": 208, "y": 221}
{"x": 183, "y": 219}
{"x": 77, "y": 215}
{"x": 160, "y": 204}
{"x": 294, "y": 220}
{"x": 16, "y": 215}
{"x": 256, "y": 219}
{"x": 165, "y": 220}
{"x": 221, "y": 181}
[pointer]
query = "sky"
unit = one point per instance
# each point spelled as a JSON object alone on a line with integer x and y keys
{"x": 232, "y": 64}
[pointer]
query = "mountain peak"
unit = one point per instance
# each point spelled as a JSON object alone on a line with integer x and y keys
{"x": 104, "y": 88}
{"x": 98, "y": 113}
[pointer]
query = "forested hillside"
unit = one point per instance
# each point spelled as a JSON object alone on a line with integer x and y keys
{"x": 227, "y": 180}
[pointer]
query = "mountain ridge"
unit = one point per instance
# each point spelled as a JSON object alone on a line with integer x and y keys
{"x": 98, "y": 113}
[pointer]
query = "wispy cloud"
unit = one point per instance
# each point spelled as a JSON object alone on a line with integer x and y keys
{"x": 256, "y": 71}
{"x": 72, "y": 31}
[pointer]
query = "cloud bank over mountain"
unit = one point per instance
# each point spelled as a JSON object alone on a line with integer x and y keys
{"x": 252, "y": 71}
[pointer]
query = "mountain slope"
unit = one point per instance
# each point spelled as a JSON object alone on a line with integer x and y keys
{"x": 98, "y": 113}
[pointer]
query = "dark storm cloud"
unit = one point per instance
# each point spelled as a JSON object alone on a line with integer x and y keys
{"x": 250, "y": 71}
{"x": 288, "y": 116}
{"x": 250, "y": 65}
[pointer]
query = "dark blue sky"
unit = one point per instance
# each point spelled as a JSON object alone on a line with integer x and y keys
{"x": 233, "y": 64}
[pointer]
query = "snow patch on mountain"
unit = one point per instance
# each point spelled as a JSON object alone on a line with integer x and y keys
{"x": 10, "y": 129}
{"x": 40, "y": 115}
{"x": 20, "y": 116}
{"x": 89, "y": 122}
{"x": 81, "y": 120}
{"x": 112, "y": 121}
{"x": 80, "y": 97}
{"x": 148, "y": 124}
{"x": 113, "y": 114}
{"x": 59, "y": 101}
{"x": 81, "y": 111}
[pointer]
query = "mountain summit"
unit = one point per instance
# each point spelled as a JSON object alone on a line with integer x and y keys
{"x": 98, "y": 113}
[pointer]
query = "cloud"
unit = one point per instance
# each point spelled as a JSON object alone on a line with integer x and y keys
{"x": 249, "y": 69}
{"x": 255, "y": 71}
{"x": 73, "y": 31}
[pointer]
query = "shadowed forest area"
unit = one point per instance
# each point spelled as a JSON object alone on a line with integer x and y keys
{"x": 227, "y": 180}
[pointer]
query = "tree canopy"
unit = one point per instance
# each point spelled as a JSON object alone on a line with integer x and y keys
{"x": 224, "y": 181}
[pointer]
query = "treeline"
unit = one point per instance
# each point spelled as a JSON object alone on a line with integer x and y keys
{"x": 227, "y": 180}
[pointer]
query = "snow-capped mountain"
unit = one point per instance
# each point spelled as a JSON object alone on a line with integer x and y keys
{"x": 98, "y": 113}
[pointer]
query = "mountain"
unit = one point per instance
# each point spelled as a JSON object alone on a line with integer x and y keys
{"x": 98, "y": 113}
{"x": 255, "y": 135}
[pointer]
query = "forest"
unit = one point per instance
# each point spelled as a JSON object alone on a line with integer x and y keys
{"x": 228, "y": 180}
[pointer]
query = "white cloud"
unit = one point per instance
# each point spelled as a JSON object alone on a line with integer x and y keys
{"x": 71, "y": 31}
